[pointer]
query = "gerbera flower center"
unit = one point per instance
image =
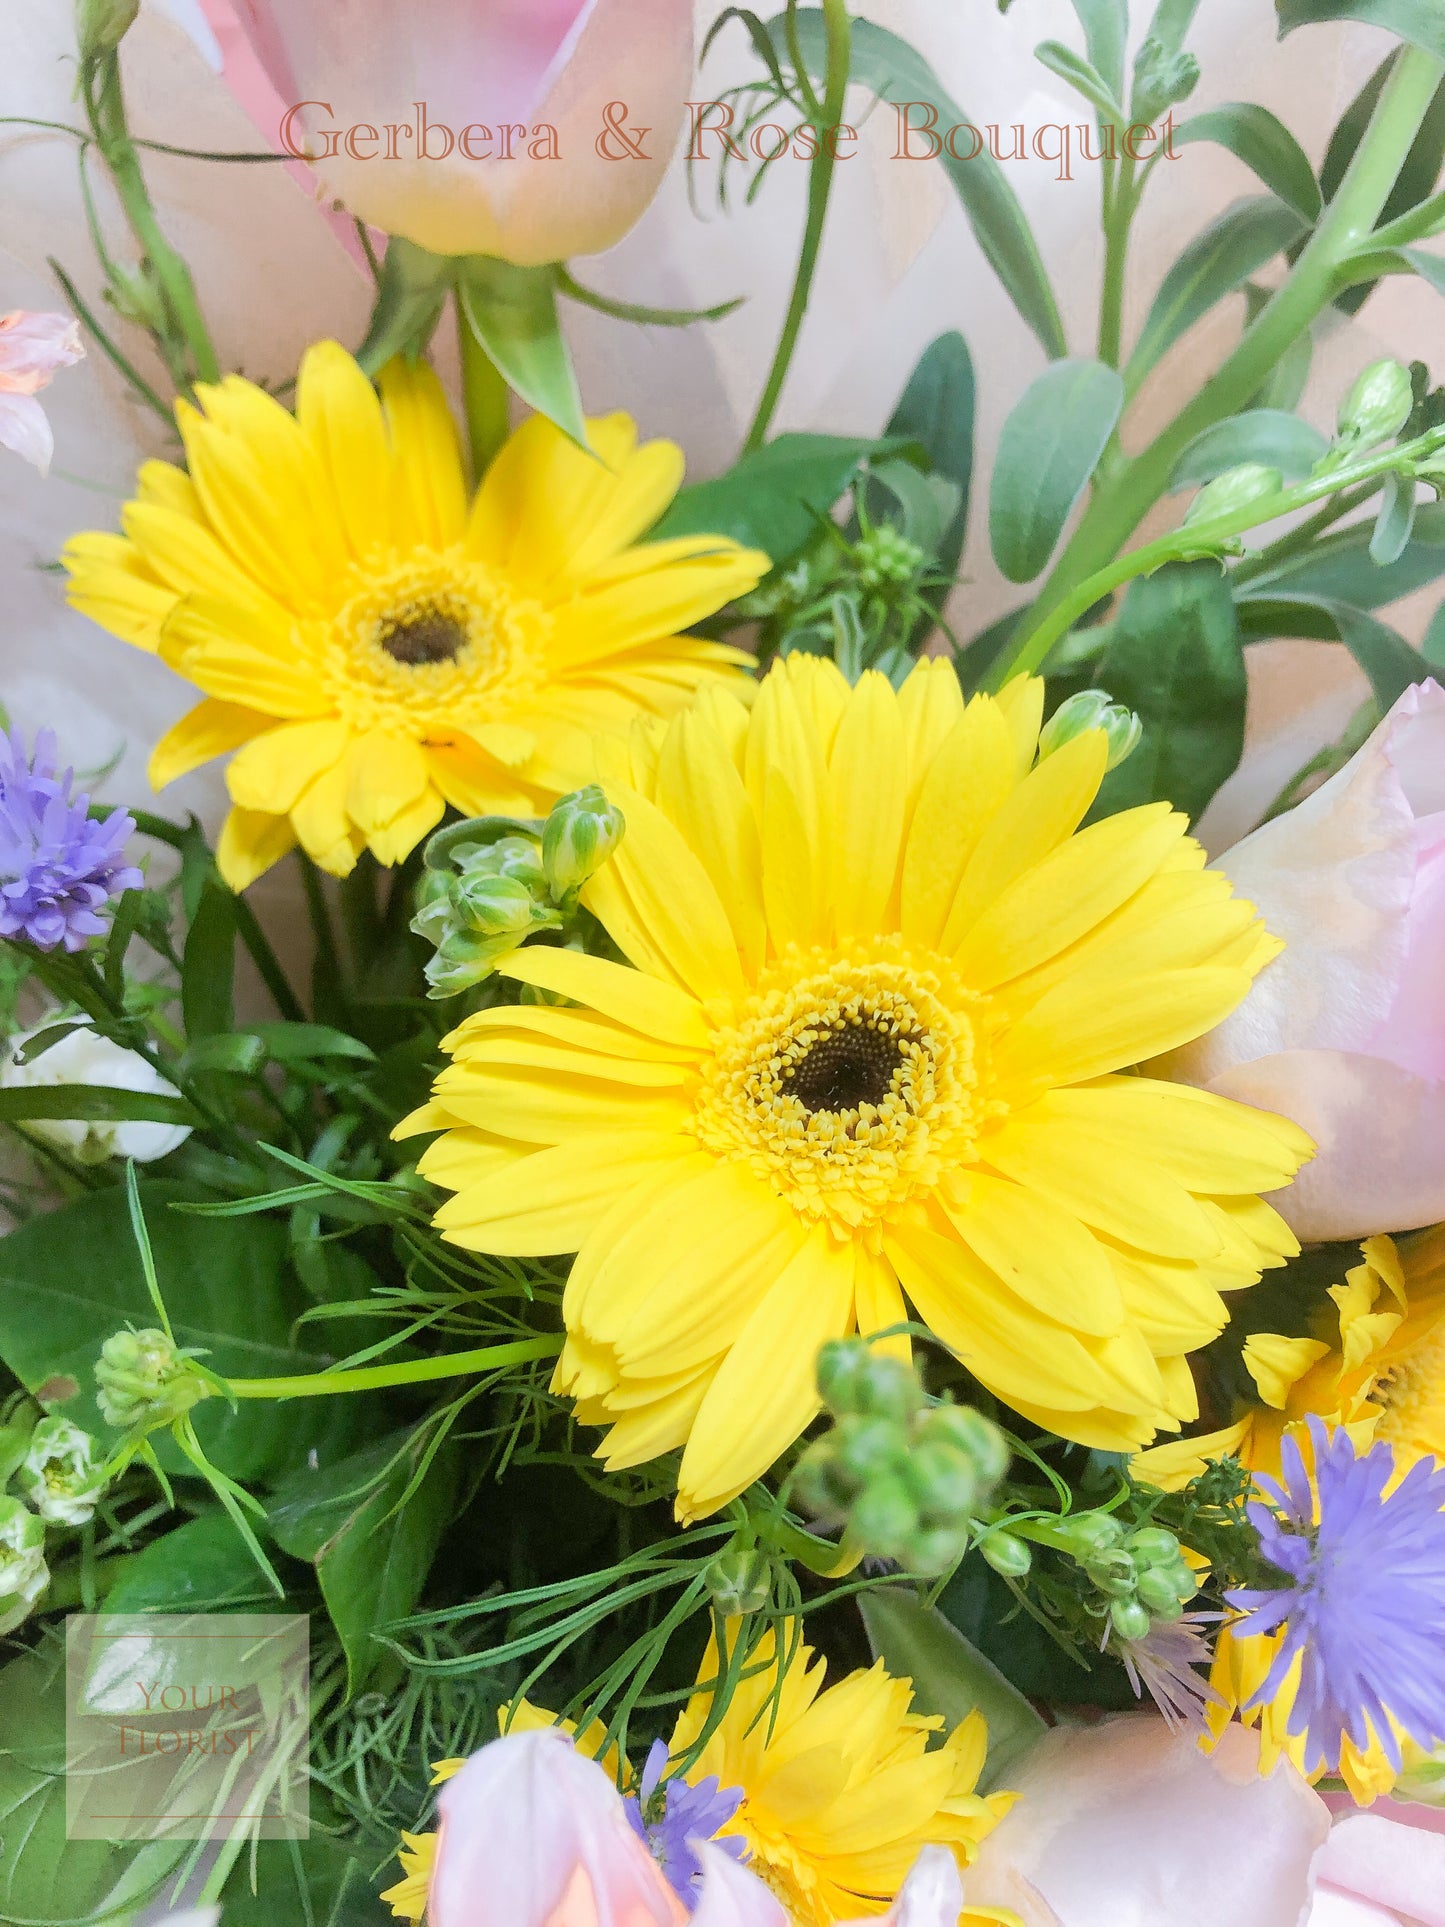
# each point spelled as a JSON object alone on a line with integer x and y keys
{"x": 1413, "y": 1393}
{"x": 432, "y": 642}
{"x": 849, "y": 1083}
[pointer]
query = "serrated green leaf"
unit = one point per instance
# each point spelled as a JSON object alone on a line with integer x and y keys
{"x": 950, "y": 1676}
{"x": 1050, "y": 446}
{"x": 1215, "y": 263}
{"x": 1263, "y": 142}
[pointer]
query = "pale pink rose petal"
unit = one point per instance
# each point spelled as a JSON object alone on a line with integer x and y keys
{"x": 931, "y": 1896}
{"x": 1123, "y": 1825}
{"x": 1413, "y": 1035}
{"x": 1378, "y": 1130}
{"x": 25, "y": 429}
{"x": 733, "y": 1897}
{"x": 1335, "y": 1909}
{"x": 1395, "y": 1866}
{"x": 531, "y": 1832}
{"x": 33, "y": 347}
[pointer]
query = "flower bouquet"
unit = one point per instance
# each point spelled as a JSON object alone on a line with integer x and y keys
{"x": 821, "y": 1300}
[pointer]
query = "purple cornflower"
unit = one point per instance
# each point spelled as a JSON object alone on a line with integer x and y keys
{"x": 1165, "y": 1665}
{"x": 1365, "y": 1598}
{"x": 57, "y": 867}
{"x": 671, "y": 1819}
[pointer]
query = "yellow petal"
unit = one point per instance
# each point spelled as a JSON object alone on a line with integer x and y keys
{"x": 250, "y": 843}
{"x": 931, "y": 705}
{"x": 272, "y": 770}
{"x": 1041, "y": 1251}
{"x": 1277, "y": 1364}
{"x": 1206, "y": 1143}
{"x": 867, "y": 775}
{"x": 210, "y": 729}
{"x": 431, "y": 497}
{"x": 543, "y": 496}
{"x": 647, "y": 1004}
{"x": 964, "y": 788}
{"x": 342, "y": 419}
{"x": 545, "y": 1204}
{"x": 1073, "y": 1034}
{"x": 326, "y": 831}
{"x": 387, "y": 776}
{"x": 111, "y": 583}
{"x": 1022, "y": 704}
{"x": 699, "y": 788}
{"x": 615, "y": 618}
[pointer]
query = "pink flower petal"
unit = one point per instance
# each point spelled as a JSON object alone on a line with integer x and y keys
{"x": 33, "y": 347}
{"x": 1335, "y": 1909}
{"x": 733, "y": 1897}
{"x": 25, "y": 429}
{"x": 1378, "y": 1130}
{"x": 1394, "y": 1866}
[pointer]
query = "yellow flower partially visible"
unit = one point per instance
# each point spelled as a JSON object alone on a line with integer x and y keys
{"x": 840, "y": 1789}
{"x": 373, "y": 644}
{"x": 1377, "y": 1368}
{"x": 884, "y": 989}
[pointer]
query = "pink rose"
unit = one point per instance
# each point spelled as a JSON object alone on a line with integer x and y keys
{"x": 32, "y": 348}
{"x": 487, "y": 73}
{"x": 1345, "y": 1031}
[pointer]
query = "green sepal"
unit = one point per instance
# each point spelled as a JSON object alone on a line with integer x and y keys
{"x": 512, "y": 314}
{"x": 409, "y": 301}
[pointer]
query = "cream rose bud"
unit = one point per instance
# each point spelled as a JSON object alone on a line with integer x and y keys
{"x": 519, "y": 96}
{"x": 1345, "y": 1030}
{"x": 85, "y": 1058}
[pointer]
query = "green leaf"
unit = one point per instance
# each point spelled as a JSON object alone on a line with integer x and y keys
{"x": 308, "y": 1043}
{"x": 1416, "y": 179}
{"x": 1215, "y": 263}
{"x": 512, "y": 312}
{"x": 898, "y": 74}
{"x": 318, "y": 1882}
{"x": 1382, "y": 652}
{"x": 1429, "y": 267}
{"x": 1050, "y": 446}
{"x": 1338, "y": 566}
{"x": 1082, "y": 76}
{"x": 72, "y": 1276}
{"x": 92, "y": 1104}
{"x": 209, "y": 965}
{"x": 950, "y": 1677}
{"x": 45, "y": 1879}
{"x": 201, "y": 1566}
{"x": 1175, "y": 657}
{"x": 936, "y": 411}
{"x": 1421, "y": 21}
{"x": 1106, "y": 34}
{"x": 371, "y": 1527}
{"x": 414, "y": 288}
{"x": 1266, "y": 435}
{"x": 1263, "y": 142}
{"x": 1433, "y": 646}
{"x": 774, "y": 498}
{"x": 1395, "y": 521}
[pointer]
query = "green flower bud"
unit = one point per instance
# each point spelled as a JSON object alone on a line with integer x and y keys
{"x": 519, "y": 857}
{"x": 739, "y": 1581}
{"x": 887, "y": 1388}
{"x": 1161, "y": 79}
{"x": 969, "y": 1432}
{"x": 577, "y": 839}
{"x": 1112, "y": 1571}
{"x": 1085, "y": 1534}
{"x": 822, "y": 1484}
{"x": 62, "y": 1476}
{"x": 24, "y": 1574}
{"x": 101, "y": 25}
{"x": 1159, "y": 1593}
{"x": 1236, "y": 489}
{"x": 1377, "y": 407}
{"x": 145, "y": 1380}
{"x": 932, "y": 1552}
{"x": 1093, "y": 709}
{"x": 1130, "y": 1620}
{"x": 839, "y": 1370}
{"x": 944, "y": 1484}
{"x": 1007, "y": 1555}
{"x": 493, "y": 906}
{"x": 884, "y": 1519}
{"x": 870, "y": 1447}
{"x": 1153, "y": 1546}
{"x": 887, "y": 559}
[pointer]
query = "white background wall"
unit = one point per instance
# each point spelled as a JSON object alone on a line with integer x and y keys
{"x": 900, "y": 266}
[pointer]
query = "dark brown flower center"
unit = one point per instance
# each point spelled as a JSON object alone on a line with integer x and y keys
{"x": 849, "y": 1066}
{"x": 421, "y": 633}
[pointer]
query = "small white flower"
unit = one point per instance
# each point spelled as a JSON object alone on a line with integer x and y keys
{"x": 24, "y": 1574}
{"x": 60, "y": 1475}
{"x": 85, "y": 1058}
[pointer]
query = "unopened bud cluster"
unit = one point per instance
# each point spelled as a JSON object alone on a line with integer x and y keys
{"x": 481, "y": 896}
{"x": 886, "y": 559}
{"x": 906, "y": 1478}
{"x": 1093, "y": 709}
{"x": 145, "y": 1381}
{"x": 1142, "y": 1573}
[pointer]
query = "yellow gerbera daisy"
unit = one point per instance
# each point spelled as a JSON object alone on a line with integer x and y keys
{"x": 883, "y": 986}
{"x": 1378, "y": 1369}
{"x": 840, "y": 1789}
{"x": 375, "y": 646}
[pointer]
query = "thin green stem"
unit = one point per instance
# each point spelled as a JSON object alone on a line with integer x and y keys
{"x": 375, "y": 1378}
{"x": 1306, "y": 535}
{"x": 1119, "y": 214}
{"x": 1193, "y": 542}
{"x": 839, "y": 29}
{"x": 485, "y": 397}
{"x": 1118, "y": 507}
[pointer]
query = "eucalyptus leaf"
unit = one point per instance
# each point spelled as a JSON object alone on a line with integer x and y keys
{"x": 1175, "y": 657}
{"x": 371, "y": 1527}
{"x": 1432, "y": 648}
{"x": 1082, "y": 76}
{"x": 512, "y": 312}
{"x": 775, "y": 497}
{"x": 897, "y": 73}
{"x": 1429, "y": 267}
{"x": 1269, "y": 436}
{"x": 1421, "y": 21}
{"x": 1215, "y": 264}
{"x": 950, "y": 1676}
{"x": 1263, "y": 142}
{"x": 1049, "y": 448}
{"x": 1338, "y": 566}
{"x": 1395, "y": 521}
{"x": 1382, "y": 652}
{"x": 936, "y": 411}
{"x": 1106, "y": 35}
